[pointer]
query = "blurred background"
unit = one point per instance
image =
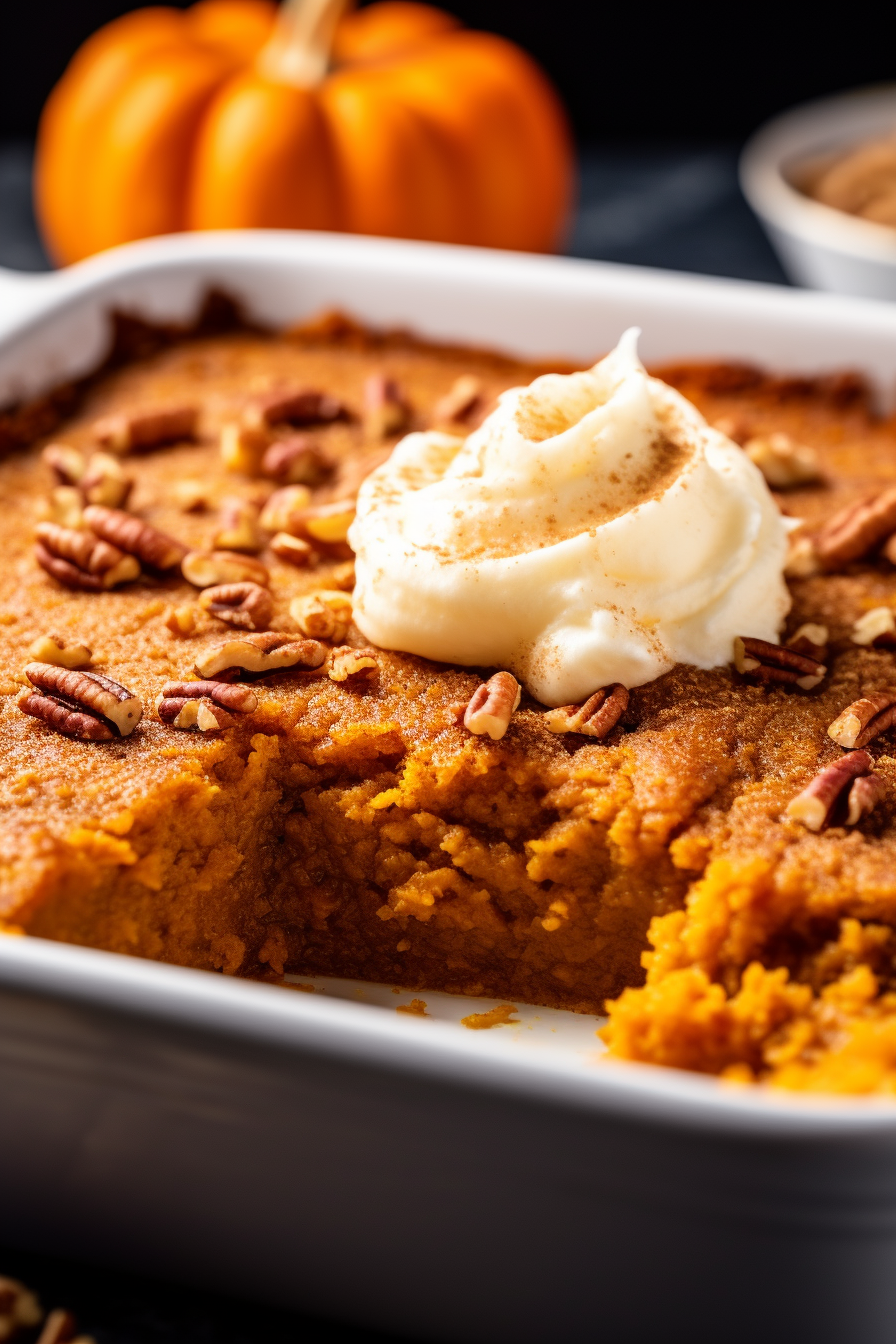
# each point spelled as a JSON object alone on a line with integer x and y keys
{"x": 661, "y": 99}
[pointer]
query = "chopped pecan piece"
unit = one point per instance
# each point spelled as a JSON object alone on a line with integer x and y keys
{"x": 294, "y": 406}
{"x": 284, "y": 510}
{"x": 783, "y": 462}
{"x": 245, "y": 605}
{"x": 67, "y": 464}
{"x": 82, "y": 560}
{"x": 347, "y": 664}
{"x": 296, "y": 461}
{"x": 864, "y": 719}
{"x": 802, "y": 561}
{"x": 139, "y": 430}
{"x": 343, "y": 576}
{"x": 461, "y": 402}
{"x": 386, "y": 411}
{"x": 194, "y": 712}
{"x": 239, "y": 526}
{"x": 771, "y": 663}
{"x": 238, "y": 699}
{"x": 492, "y": 705}
{"x": 205, "y": 568}
{"x": 826, "y": 797}
{"x": 181, "y": 620}
{"x": 877, "y": 628}
{"x": 857, "y": 530}
{"x": 601, "y": 712}
{"x": 259, "y": 654}
{"x": 327, "y": 523}
{"x": 293, "y": 550}
{"x": 52, "y": 649}
{"x": 80, "y": 704}
{"x": 193, "y": 496}
{"x": 326, "y": 614}
{"x": 242, "y": 448}
{"x": 136, "y": 537}
{"x": 811, "y": 640}
{"x": 104, "y": 482}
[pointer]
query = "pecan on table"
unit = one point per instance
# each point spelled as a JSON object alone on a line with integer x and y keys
{"x": 246, "y": 605}
{"x": 131, "y": 534}
{"x": 81, "y": 704}
{"x": 865, "y": 719}
{"x": 857, "y": 530}
{"x": 599, "y": 713}
{"x": 492, "y": 706}
{"x": 81, "y": 559}
{"x": 775, "y": 664}
{"x": 134, "y": 431}
{"x": 840, "y": 794}
{"x": 256, "y": 655}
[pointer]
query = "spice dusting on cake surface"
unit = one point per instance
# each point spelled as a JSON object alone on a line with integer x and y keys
{"x": 210, "y": 756}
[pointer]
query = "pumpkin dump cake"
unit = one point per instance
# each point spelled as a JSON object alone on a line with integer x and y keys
{"x": 575, "y": 686}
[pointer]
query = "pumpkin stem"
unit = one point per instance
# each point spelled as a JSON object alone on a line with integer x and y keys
{"x": 298, "y": 51}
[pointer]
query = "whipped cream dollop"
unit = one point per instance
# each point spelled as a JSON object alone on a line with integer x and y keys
{"x": 594, "y": 529}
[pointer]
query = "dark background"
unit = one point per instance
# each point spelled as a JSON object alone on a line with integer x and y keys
{"x": 671, "y": 71}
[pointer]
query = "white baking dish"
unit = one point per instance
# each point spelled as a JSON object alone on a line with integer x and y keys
{"x": 397, "y": 1171}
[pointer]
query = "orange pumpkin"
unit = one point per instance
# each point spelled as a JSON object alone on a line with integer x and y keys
{"x": 233, "y": 114}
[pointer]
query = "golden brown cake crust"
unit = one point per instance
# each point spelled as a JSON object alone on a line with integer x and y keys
{"x": 360, "y": 830}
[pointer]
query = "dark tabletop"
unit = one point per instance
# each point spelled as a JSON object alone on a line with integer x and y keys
{"x": 679, "y": 208}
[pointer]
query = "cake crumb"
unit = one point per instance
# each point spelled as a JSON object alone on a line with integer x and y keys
{"x": 501, "y": 1016}
{"x": 416, "y": 1007}
{"x": 403, "y": 946}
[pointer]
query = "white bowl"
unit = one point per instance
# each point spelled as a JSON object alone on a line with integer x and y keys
{"x": 819, "y": 246}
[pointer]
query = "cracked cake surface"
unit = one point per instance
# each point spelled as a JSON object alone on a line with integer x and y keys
{"x": 340, "y": 817}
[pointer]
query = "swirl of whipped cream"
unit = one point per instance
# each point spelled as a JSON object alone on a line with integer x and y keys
{"x": 594, "y": 529}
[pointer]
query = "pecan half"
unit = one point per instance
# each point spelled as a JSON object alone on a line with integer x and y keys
{"x": 864, "y": 719}
{"x": 89, "y": 693}
{"x": 239, "y": 526}
{"x": 259, "y": 654}
{"x": 877, "y": 629}
{"x": 784, "y": 463}
{"x": 294, "y": 406}
{"x": 857, "y": 530}
{"x": 811, "y": 640}
{"x": 386, "y": 411}
{"x": 346, "y": 664}
{"x": 461, "y": 402}
{"x": 492, "y": 705}
{"x": 773, "y": 664}
{"x": 205, "y": 568}
{"x": 326, "y": 614}
{"x": 52, "y": 649}
{"x": 82, "y": 560}
{"x": 195, "y": 712}
{"x": 136, "y": 537}
{"x": 293, "y": 550}
{"x": 826, "y": 796}
{"x": 246, "y": 605}
{"x": 296, "y": 461}
{"x": 284, "y": 510}
{"x": 600, "y": 712}
{"x": 71, "y": 722}
{"x": 67, "y": 464}
{"x": 238, "y": 699}
{"x": 131, "y": 432}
